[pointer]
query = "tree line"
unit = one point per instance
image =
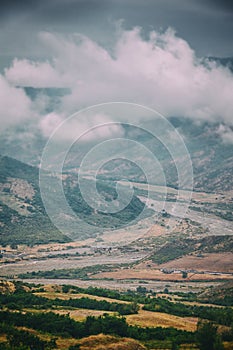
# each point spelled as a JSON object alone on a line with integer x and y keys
{"x": 21, "y": 299}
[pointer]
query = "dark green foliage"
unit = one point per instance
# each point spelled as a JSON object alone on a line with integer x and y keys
{"x": 74, "y": 347}
{"x": 207, "y": 337}
{"x": 141, "y": 290}
{"x": 21, "y": 299}
{"x": 223, "y": 300}
{"x": 129, "y": 295}
{"x": 87, "y": 303}
{"x": 64, "y": 326}
{"x": 21, "y": 339}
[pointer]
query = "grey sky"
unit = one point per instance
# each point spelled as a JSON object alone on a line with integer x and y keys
{"x": 159, "y": 71}
{"x": 206, "y": 25}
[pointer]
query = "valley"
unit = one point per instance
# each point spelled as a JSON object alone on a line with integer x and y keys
{"x": 116, "y": 186}
{"x": 159, "y": 271}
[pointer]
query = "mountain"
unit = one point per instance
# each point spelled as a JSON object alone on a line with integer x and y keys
{"x": 211, "y": 156}
{"x": 23, "y": 218}
{"x": 22, "y": 215}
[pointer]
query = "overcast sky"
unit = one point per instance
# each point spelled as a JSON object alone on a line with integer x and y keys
{"x": 206, "y": 25}
{"x": 140, "y": 51}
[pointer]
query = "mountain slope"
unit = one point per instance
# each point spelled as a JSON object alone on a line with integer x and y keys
{"x": 23, "y": 218}
{"x": 22, "y": 215}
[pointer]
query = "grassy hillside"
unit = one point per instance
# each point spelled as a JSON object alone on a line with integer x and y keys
{"x": 101, "y": 341}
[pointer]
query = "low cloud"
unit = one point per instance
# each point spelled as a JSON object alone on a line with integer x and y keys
{"x": 74, "y": 129}
{"x": 226, "y": 133}
{"x": 161, "y": 72}
{"x": 49, "y": 123}
{"x": 36, "y": 74}
{"x": 15, "y": 106}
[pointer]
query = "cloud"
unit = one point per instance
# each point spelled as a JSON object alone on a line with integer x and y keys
{"x": 161, "y": 72}
{"x": 36, "y": 74}
{"x": 15, "y": 106}
{"x": 49, "y": 123}
{"x": 74, "y": 129}
{"x": 226, "y": 133}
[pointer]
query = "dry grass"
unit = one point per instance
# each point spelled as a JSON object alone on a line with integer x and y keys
{"x": 158, "y": 319}
{"x": 67, "y": 296}
{"x": 52, "y": 288}
{"x": 157, "y": 275}
{"x": 228, "y": 345}
{"x": 218, "y": 262}
{"x": 143, "y": 318}
{"x": 65, "y": 343}
{"x": 54, "y": 246}
{"x": 76, "y": 314}
{"x": 6, "y": 287}
{"x": 81, "y": 314}
{"x": 97, "y": 342}
{"x": 155, "y": 231}
{"x": 43, "y": 336}
{"x": 106, "y": 342}
{"x": 62, "y": 343}
{"x": 2, "y": 338}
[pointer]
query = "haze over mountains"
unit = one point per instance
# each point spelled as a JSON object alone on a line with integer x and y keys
{"x": 23, "y": 210}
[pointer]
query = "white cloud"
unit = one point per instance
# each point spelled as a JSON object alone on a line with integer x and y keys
{"x": 161, "y": 72}
{"x": 36, "y": 74}
{"x": 15, "y": 106}
{"x": 49, "y": 123}
{"x": 82, "y": 129}
{"x": 226, "y": 133}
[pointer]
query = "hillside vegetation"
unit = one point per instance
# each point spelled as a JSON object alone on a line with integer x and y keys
{"x": 32, "y": 321}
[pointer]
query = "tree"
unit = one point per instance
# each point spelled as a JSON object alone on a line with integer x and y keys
{"x": 141, "y": 290}
{"x": 13, "y": 246}
{"x": 207, "y": 337}
{"x": 65, "y": 288}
